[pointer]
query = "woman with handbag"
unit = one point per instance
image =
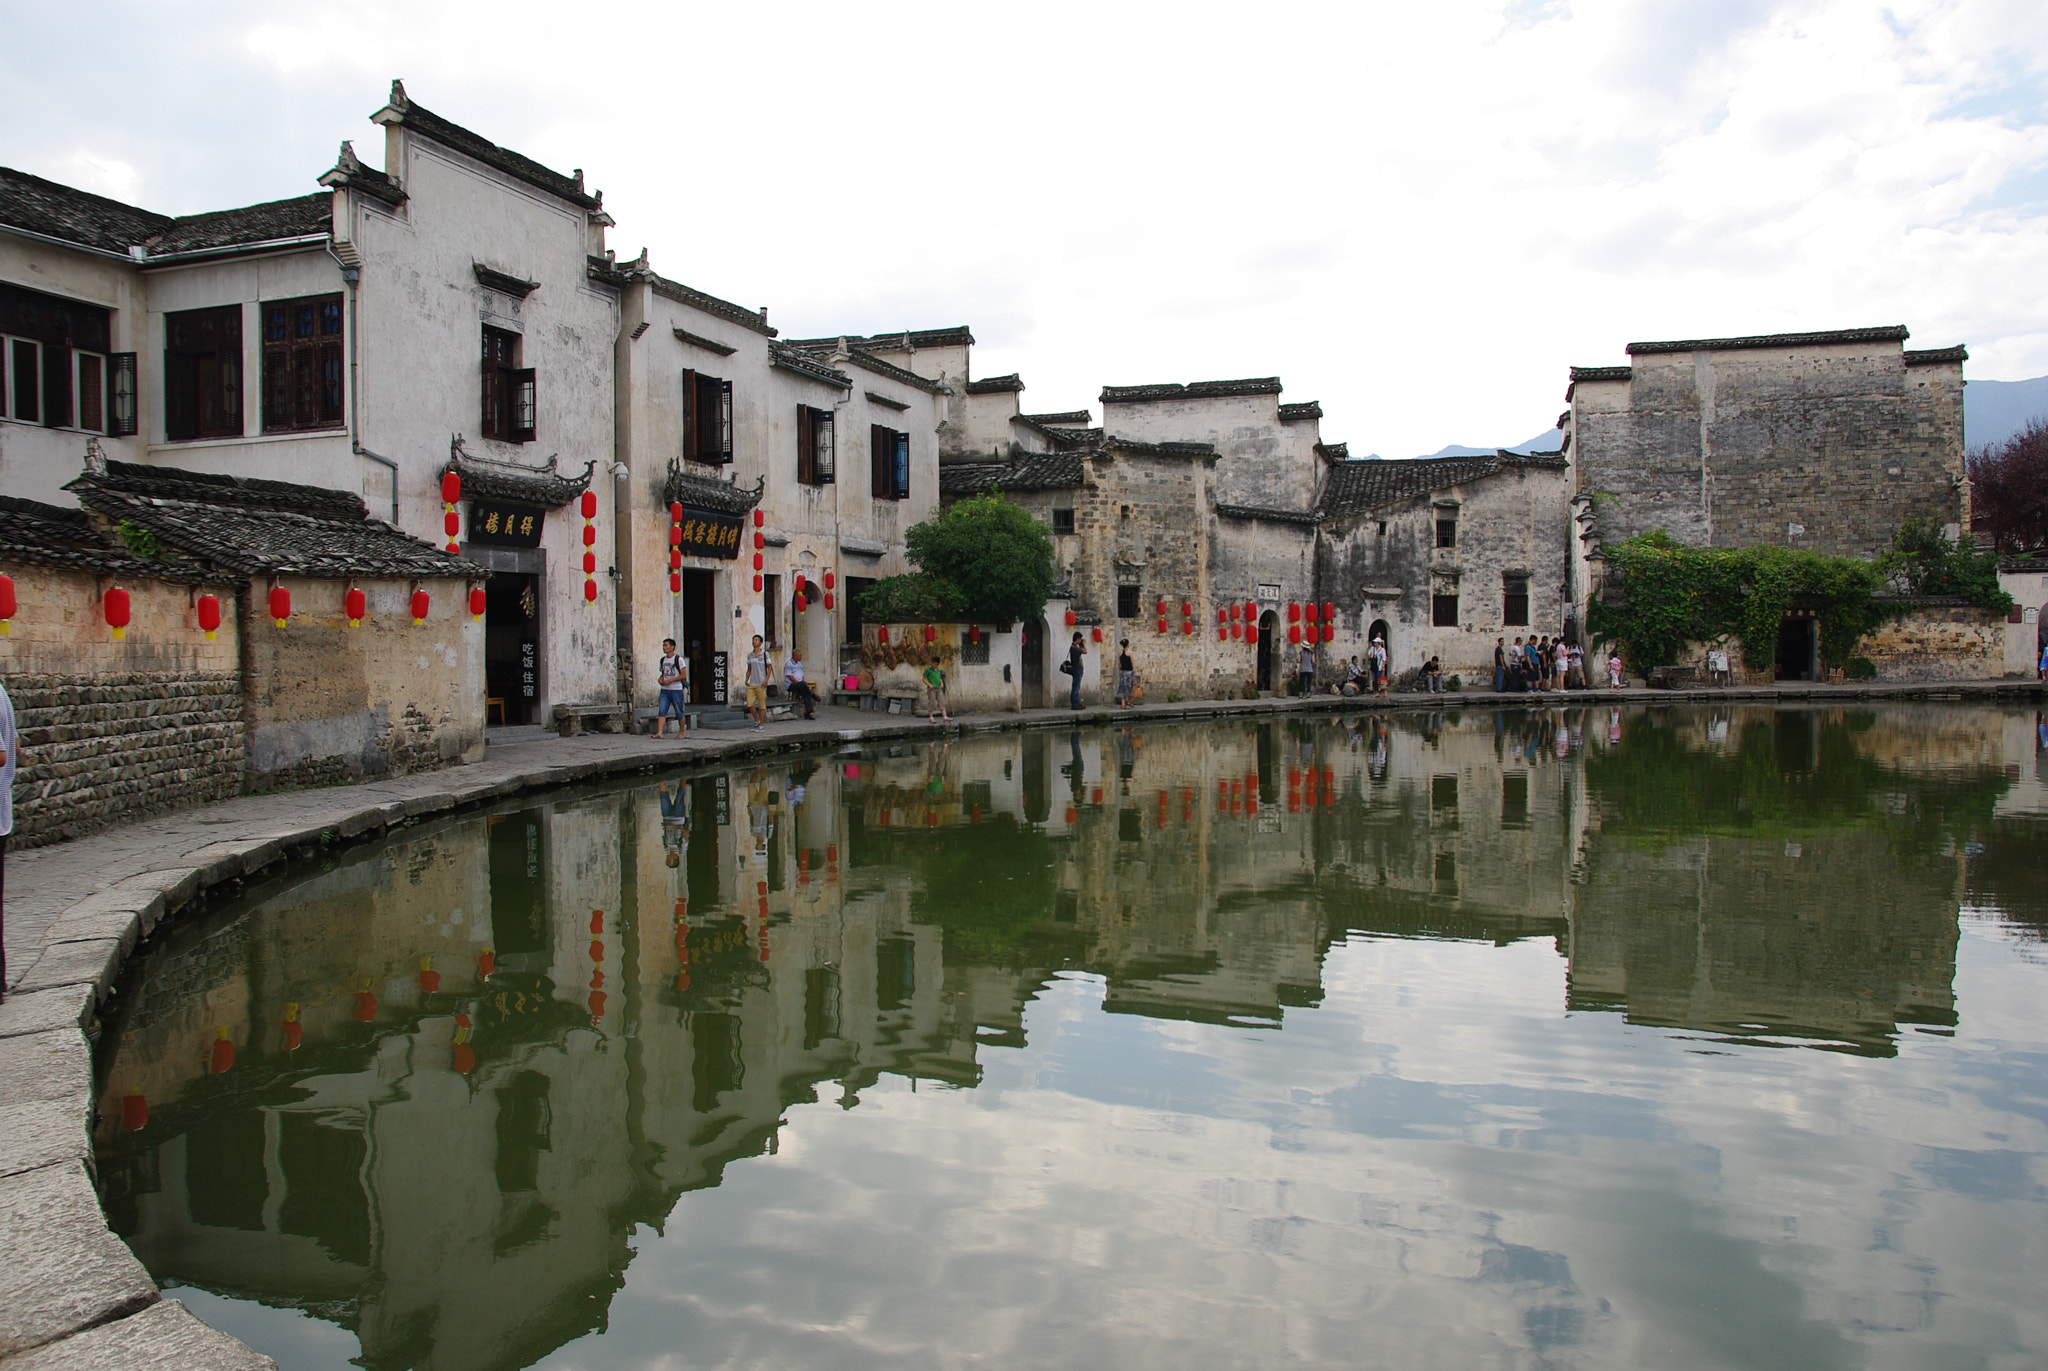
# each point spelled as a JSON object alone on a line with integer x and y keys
{"x": 1072, "y": 666}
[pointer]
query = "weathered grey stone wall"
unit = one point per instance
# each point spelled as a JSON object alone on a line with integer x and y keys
{"x": 1938, "y": 643}
{"x": 1823, "y": 447}
{"x": 95, "y": 749}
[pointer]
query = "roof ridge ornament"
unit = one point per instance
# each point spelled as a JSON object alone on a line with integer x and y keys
{"x": 95, "y": 458}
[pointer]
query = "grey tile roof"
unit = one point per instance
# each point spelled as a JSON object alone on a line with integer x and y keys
{"x": 449, "y": 134}
{"x": 1194, "y": 390}
{"x": 1886, "y": 333}
{"x": 1161, "y": 449}
{"x": 1036, "y": 471}
{"x": 957, "y": 336}
{"x": 1601, "y": 374}
{"x": 708, "y": 492}
{"x": 1355, "y": 487}
{"x": 47, "y": 535}
{"x": 1307, "y": 409}
{"x": 1066, "y": 418}
{"x": 253, "y": 527}
{"x": 75, "y": 216}
{"x": 1283, "y": 516}
{"x": 709, "y": 304}
{"x": 867, "y": 361}
{"x": 804, "y": 362}
{"x": 299, "y": 217}
{"x": 996, "y": 385}
{"x": 1334, "y": 452}
{"x": 543, "y": 485}
{"x": 1927, "y": 357}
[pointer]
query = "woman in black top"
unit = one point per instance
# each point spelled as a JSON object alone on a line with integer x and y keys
{"x": 1075, "y": 652}
{"x": 1126, "y": 674}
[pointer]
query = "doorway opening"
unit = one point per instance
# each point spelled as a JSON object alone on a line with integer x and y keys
{"x": 1031, "y": 683}
{"x": 700, "y": 591}
{"x": 1385, "y": 634}
{"x": 1798, "y": 648}
{"x": 1269, "y": 630}
{"x": 512, "y": 668}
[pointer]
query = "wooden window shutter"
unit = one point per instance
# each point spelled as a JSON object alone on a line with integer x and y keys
{"x": 725, "y": 421}
{"x": 690, "y": 448}
{"x": 806, "y": 448}
{"x": 92, "y": 393}
{"x": 121, "y": 409}
{"x": 900, "y": 466}
{"x": 525, "y": 405}
{"x": 28, "y": 389}
{"x": 878, "y": 460}
{"x": 56, "y": 385}
{"x": 181, "y": 394}
{"x": 827, "y": 459}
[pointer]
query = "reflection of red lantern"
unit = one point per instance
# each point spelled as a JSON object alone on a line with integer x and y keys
{"x": 420, "y": 601}
{"x": 1072, "y": 814}
{"x": 293, "y": 1035}
{"x": 974, "y": 633}
{"x": 116, "y": 605}
{"x": 486, "y": 964}
{"x": 366, "y": 1006}
{"x": 596, "y": 1003}
{"x": 134, "y": 1112}
{"x": 209, "y": 612}
{"x": 590, "y": 504}
{"x": 355, "y": 604}
{"x": 223, "y": 1052}
{"x": 596, "y": 951}
{"x": 451, "y": 488}
{"x": 596, "y": 922}
{"x": 464, "y": 1058}
{"x": 881, "y": 633}
{"x": 7, "y": 604}
{"x": 430, "y": 979}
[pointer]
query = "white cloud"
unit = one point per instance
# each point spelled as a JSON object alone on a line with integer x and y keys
{"x": 1418, "y": 214}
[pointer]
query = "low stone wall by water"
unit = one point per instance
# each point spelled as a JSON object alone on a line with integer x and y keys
{"x": 95, "y": 749}
{"x": 1938, "y": 643}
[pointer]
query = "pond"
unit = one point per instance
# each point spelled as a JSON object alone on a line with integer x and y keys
{"x": 1589, "y": 1037}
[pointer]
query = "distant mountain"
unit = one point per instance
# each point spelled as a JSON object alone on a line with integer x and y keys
{"x": 1994, "y": 411}
{"x": 1546, "y": 441}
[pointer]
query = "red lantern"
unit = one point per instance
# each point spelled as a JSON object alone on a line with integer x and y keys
{"x": 675, "y": 583}
{"x": 1186, "y": 609}
{"x": 801, "y": 584}
{"x": 1221, "y": 633}
{"x": 590, "y": 535}
{"x": 209, "y": 612}
{"x": 1162, "y": 625}
{"x": 366, "y": 1006}
{"x": 420, "y": 601}
{"x": 675, "y": 535}
{"x": 828, "y": 599}
{"x": 476, "y": 604}
{"x": 1222, "y": 615}
{"x": 1329, "y": 610}
{"x": 486, "y": 964}
{"x": 451, "y": 487}
{"x": 452, "y": 522}
{"x": 355, "y": 604}
{"x": 1098, "y": 634}
{"x": 828, "y": 580}
{"x": 760, "y": 518}
{"x": 464, "y": 1059}
{"x": 1072, "y": 618}
{"x": 223, "y": 1052}
{"x": 1294, "y": 633}
{"x": 675, "y": 512}
{"x": 1293, "y": 612}
{"x": 590, "y": 504}
{"x": 931, "y": 635}
{"x": 590, "y": 592}
{"x": 1237, "y": 630}
{"x": 134, "y": 1111}
{"x": 757, "y": 583}
{"x": 430, "y": 979}
{"x": 1187, "y": 625}
{"x": 974, "y": 633}
{"x": 590, "y": 564}
{"x": 799, "y": 604}
{"x": 1251, "y": 611}
{"x": 881, "y": 633}
{"x": 1162, "y": 608}
{"x": 1308, "y": 612}
{"x": 675, "y": 560}
{"x": 759, "y": 561}
{"x": 115, "y": 604}
{"x": 1236, "y": 610}
{"x": 7, "y": 604}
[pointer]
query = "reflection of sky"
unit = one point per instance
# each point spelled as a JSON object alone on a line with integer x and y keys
{"x": 1439, "y": 1167}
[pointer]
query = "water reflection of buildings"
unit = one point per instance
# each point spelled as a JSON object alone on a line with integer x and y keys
{"x": 459, "y": 1070}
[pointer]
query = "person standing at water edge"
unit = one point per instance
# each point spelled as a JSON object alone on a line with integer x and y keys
{"x": 1500, "y": 665}
{"x": 1072, "y": 666}
{"x": 799, "y": 689}
{"x": 935, "y": 685}
{"x": 674, "y": 677}
{"x": 7, "y": 742}
{"x": 1305, "y": 675}
{"x": 1126, "y": 674}
{"x": 757, "y": 684}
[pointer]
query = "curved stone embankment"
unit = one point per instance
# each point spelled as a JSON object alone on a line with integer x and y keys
{"x": 71, "y": 1293}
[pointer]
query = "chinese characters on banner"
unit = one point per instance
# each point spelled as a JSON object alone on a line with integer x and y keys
{"x": 492, "y": 521}
{"x": 527, "y": 686}
{"x": 710, "y": 535}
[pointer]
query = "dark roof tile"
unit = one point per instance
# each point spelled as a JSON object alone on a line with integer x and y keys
{"x": 1928, "y": 357}
{"x": 1036, "y": 471}
{"x": 544, "y": 485}
{"x": 802, "y": 361}
{"x": 300, "y": 217}
{"x": 74, "y": 216}
{"x": 1886, "y": 333}
{"x": 37, "y": 534}
{"x": 997, "y": 385}
{"x": 709, "y": 304}
{"x": 1356, "y": 487}
{"x": 448, "y": 134}
{"x": 1066, "y": 418}
{"x": 1194, "y": 390}
{"x": 1308, "y": 409}
{"x": 708, "y": 492}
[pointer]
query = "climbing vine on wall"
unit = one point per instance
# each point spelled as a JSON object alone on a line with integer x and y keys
{"x": 1672, "y": 596}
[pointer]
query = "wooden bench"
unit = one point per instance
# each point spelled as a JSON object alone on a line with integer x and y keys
{"x": 889, "y": 701}
{"x": 569, "y": 719}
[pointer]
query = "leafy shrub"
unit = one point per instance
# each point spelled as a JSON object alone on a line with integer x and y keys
{"x": 917, "y": 598}
{"x": 1862, "y": 669}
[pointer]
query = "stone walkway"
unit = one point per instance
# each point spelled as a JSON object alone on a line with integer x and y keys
{"x": 71, "y": 1294}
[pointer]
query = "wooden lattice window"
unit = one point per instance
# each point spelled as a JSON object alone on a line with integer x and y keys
{"x": 302, "y": 381}
{"x": 203, "y": 373}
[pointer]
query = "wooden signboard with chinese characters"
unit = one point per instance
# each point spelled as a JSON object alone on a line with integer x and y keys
{"x": 720, "y": 679}
{"x": 505, "y": 525}
{"x": 710, "y": 535}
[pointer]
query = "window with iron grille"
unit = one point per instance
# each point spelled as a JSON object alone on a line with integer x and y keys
{"x": 974, "y": 649}
{"x": 509, "y": 395}
{"x": 203, "y": 373}
{"x": 1128, "y": 605}
{"x": 707, "y": 419}
{"x": 1443, "y": 611}
{"x": 1446, "y": 532}
{"x": 889, "y": 453}
{"x": 1514, "y": 601}
{"x": 815, "y": 461}
{"x": 302, "y": 363}
{"x": 1063, "y": 521}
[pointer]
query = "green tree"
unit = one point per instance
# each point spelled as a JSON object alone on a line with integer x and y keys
{"x": 912, "y": 599}
{"x": 995, "y": 555}
{"x": 1925, "y": 561}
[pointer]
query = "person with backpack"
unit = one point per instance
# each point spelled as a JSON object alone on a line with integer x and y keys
{"x": 673, "y": 675}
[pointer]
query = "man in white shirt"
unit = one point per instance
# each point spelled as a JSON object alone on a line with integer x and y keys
{"x": 674, "y": 676}
{"x": 799, "y": 689}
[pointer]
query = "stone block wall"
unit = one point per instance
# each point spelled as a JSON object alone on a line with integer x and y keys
{"x": 101, "y": 748}
{"x": 1938, "y": 643}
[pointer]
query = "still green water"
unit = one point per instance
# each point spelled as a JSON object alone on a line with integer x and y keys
{"x": 1698, "y": 1037}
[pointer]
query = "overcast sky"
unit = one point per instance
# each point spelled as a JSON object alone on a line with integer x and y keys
{"x": 1418, "y": 214}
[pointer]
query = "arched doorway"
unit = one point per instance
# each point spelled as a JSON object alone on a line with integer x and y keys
{"x": 1385, "y": 634}
{"x": 1269, "y": 629}
{"x": 1031, "y": 674}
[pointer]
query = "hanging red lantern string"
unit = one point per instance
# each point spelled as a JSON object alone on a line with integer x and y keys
{"x": 420, "y": 602}
{"x": 115, "y": 602}
{"x": 6, "y": 604}
{"x": 280, "y": 605}
{"x": 477, "y": 602}
{"x": 589, "y": 506}
{"x": 451, "y": 495}
{"x": 209, "y": 615}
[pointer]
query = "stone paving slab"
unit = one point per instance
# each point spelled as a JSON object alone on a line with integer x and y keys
{"x": 165, "y": 1335}
{"x": 64, "y": 1271}
{"x": 76, "y": 910}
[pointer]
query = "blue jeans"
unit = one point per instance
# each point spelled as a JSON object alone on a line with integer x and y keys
{"x": 672, "y": 701}
{"x": 1074, "y": 693}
